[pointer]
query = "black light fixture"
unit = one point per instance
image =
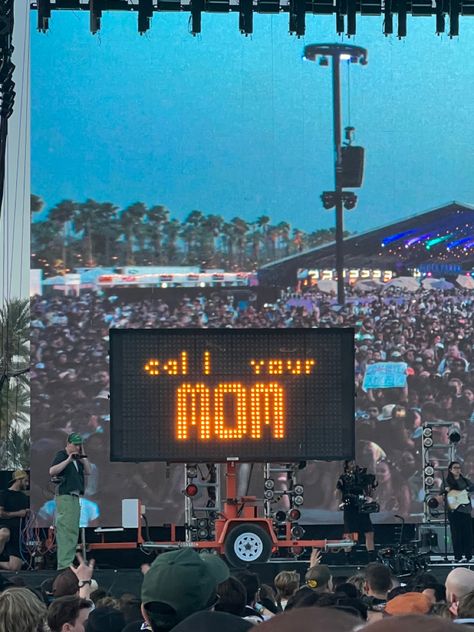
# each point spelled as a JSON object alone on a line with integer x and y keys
{"x": 402, "y": 18}
{"x": 197, "y": 7}
{"x": 246, "y": 17}
{"x": 95, "y": 16}
{"x": 44, "y": 14}
{"x": 297, "y": 19}
{"x": 145, "y": 13}
{"x": 454, "y": 434}
{"x": 454, "y": 10}
{"x": 328, "y": 199}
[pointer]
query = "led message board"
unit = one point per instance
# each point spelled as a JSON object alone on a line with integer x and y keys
{"x": 212, "y": 395}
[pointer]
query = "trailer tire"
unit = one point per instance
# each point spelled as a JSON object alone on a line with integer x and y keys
{"x": 247, "y": 544}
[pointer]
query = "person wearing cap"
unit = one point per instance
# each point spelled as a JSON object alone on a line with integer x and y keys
{"x": 14, "y": 504}
{"x": 70, "y": 466}
{"x": 319, "y": 578}
{"x": 178, "y": 584}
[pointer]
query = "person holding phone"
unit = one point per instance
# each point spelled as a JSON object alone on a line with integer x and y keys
{"x": 459, "y": 511}
{"x": 69, "y": 468}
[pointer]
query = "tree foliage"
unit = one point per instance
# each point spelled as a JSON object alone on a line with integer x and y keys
{"x": 83, "y": 234}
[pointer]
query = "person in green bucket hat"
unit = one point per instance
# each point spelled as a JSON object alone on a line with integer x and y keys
{"x": 69, "y": 467}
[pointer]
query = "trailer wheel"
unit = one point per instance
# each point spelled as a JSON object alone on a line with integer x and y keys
{"x": 247, "y": 544}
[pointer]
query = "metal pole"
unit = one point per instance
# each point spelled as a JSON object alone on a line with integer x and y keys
{"x": 336, "y": 95}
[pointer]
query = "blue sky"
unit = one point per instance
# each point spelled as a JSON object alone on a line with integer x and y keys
{"x": 243, "y": 126}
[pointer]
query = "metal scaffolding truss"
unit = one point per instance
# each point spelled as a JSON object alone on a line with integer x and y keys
{"x": 345, "y": 12}
{"x": 437, "y": 455}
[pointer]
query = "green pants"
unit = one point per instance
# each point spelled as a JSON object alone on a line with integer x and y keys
{"x": 68, "y": 512}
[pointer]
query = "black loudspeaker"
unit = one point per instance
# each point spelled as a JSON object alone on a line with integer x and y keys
{"x": 352, "y": 166}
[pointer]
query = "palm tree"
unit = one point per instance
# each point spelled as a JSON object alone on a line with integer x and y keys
{"x": 14, "y": 335}
{"x": 14, "y": 362}
{"x": 84, "y": 222}
{"x": 131, "y": 222}
{"x": 107, "y": 231}
{"x": 44, "y": 243}
{"x": 210, "y": 230}
{"x": 171, "y": 229}
{"x": 283, "y": 229}
{"x": 36, "y": 203}
{"x": 157, "y": 216}
{"x": 17, "y": 453}
{"x": 240, "y": 230}
{"x": 62, "y": 214}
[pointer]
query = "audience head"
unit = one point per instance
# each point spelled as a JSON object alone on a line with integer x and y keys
{"x": 251, "y": 583}
{"x": 420, "y": 623}
{"x": 68, "y": 614}
{"x": 66, "y": 583}
{"x": 459, "y": 583}
{"x": 286, "y": 584}
{"x": 319, "y": 578}
{"x": 466, "y": 606}
{"x": 21, "y": 611}
{"x": 232, "y": 597}
{"x": 178, "y": 584}
{"x": 378, "y": 580}
{"x": 105, "y": 620}
{"x": 213, "y": 621}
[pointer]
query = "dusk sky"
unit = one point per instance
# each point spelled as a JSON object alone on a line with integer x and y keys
{"x": 243, "y": 126}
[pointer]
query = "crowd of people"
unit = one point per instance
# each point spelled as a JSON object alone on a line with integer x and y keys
{"x": 184, "y": 591}
{"x": 431, "y": 331}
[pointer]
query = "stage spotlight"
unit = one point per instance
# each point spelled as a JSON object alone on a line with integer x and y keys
{"x": 297, "y": 17}
{"x": 454, "y": 9}
{"x": 191, "y": 471}
{"x": 280, "y": 516}
{"x": 246, "y": 17}
{"x": 299, "y": 490}
{"x": 298, "y": 500}
{"x": 429, "y": 470}
{"x": 191, "y": 490}
{"x": 296, "y": 550}
{"x": 95, "y": 16}
{"x": 202, "y": 523}
{"x": 145, "y": 13}
{"x": 427, "y": 442}
{"x": 402, "y": 20}
{"x": 268, "y": 494}
{"x": 433, "y": 503}
{"x": 429, "y": 481}
{"x": 349, "y": 200}
{"x": 427, "y": 431}
{"x": 297, "y": 532}
{"x": 454, "y": 434}
{"x": 203, "y": 534}
{"x": 44, "y": 14}
{"x": 294, "y": 514}
{"x": 197, "y": 7}
{"x": 329, "y": 199}
{"x": 269, "y": 483}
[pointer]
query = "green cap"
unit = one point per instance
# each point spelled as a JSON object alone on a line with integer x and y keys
{"x": 75, "y": 438}
{"x": 182, "y": 581}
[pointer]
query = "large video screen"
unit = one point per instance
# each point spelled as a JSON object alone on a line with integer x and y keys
{"x": 232, "y": 395}
{"x": 167, "y": 170}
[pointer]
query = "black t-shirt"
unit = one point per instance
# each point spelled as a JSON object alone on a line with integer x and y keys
{"x": 72, "y": 476}
{"x": 11, "y": 500}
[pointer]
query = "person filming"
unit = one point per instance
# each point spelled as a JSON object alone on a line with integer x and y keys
{"x": 69, "y": 467}
{"x": 458, "y": 503}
